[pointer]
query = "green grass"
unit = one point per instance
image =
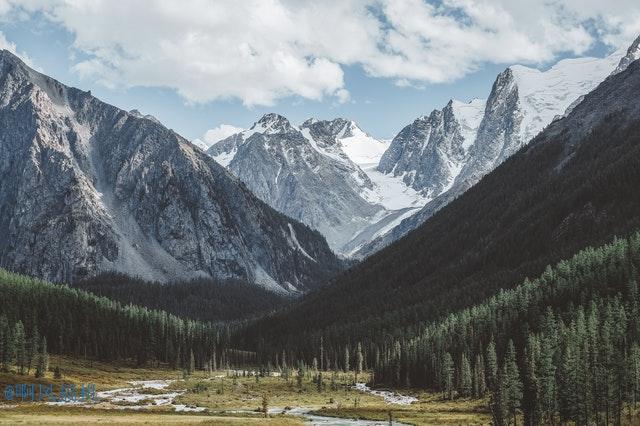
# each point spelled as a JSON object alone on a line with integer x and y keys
{"x": 223, "y": 394}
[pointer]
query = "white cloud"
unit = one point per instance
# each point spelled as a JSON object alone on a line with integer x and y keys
{"x": 343, "y": 96}
{"x": 11, "y": 47}
{"x": 221, "y": 132}
{"x": 262, "y": 50}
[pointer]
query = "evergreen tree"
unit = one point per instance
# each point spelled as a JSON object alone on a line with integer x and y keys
{"x": 42, "y": 358}
{"x": 479, "y": 382}
{"x": 20, "y": 347}
{"x": 346, "y": 359}
{"x": 447, "y": 375}
{"x": 6, "y": 344}
{"x": 465, "y": 376}
{"x": 531, "y": 397}
{"x": 512, "y": 383}
{"x": 32, "y": 347}
{"x": 492, "y": 365}
{"x": 359, "y": 360}
{"x": 192, "y": 362}
{"x": 547, "y": 379}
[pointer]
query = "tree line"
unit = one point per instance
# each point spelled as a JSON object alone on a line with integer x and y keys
{"x": 25, "y": 351}
{"x": 564, "y": 347}
{"x": 80, "y": 324}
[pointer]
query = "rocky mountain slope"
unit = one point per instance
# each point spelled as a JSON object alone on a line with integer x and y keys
{"x": 522, "y": 102}
{"x": 309, "y": 173}
{"x": 430, "y": 152}
{"x": 86, "y": 187}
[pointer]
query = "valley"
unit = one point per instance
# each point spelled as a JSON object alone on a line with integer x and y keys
{"x": 127, "y": 394}
{"x": 401, "y": 213}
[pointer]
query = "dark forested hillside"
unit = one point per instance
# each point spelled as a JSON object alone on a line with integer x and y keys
{"x": 565, "y": 346}
{"x": 74, "y": 322}
{"x": 574, "y": 185}
{"x": 199, "y": 299}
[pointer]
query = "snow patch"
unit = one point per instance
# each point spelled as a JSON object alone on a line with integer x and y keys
{"x": 294, "y": 238}
{"x": 361, "y": 148}
{"x": 469, "y": 116}
{"x": 545, "y": 94}
{"x": 390, "y": 191}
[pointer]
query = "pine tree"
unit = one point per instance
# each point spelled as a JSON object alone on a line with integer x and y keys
{"x": 567, "y": 392}
{"x": 511, "y": 377}
{"x": 192, "y": 362}
{"x": 465, "y": 376}
{"x": 346, "y": 359}
{"x": 531, "y": 396}
{"x": 20, "y": 347}
{"x": 499, "y": 402}
{"x": 359, "y": 360}
{"x": 479, "y": 382}
{"x": 32, "y": 347}
{"x": 447, "y": 375}
{"x": 492, "y": 365}
{"x": 6, "y": 344}
{"x": 547, "y": 379}
{"x": 42, "y": 361}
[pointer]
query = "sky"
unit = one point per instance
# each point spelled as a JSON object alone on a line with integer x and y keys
{"x": 207, "y": 67}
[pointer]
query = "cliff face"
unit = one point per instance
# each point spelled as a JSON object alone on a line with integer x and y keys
{"x": 87, "y": 187}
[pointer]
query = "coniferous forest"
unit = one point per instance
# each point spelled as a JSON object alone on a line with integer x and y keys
{"x": 81, "y": 324}
{"x": 563, "y": 347}
{"x": 199, "y": 299}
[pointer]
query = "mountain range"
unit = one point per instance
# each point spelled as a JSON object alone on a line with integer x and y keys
{"x": 363, "y": 194}
{"x": 86, "y": 187}
{"x": 573, "y": 186}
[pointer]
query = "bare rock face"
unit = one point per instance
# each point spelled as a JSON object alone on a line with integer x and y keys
{"x": 86, "y": 187}
{"x": 304, "y": 173}
{"x": 429, "y": 153}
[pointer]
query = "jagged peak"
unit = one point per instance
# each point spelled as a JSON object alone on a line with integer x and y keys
{"x": 272, "y": 123}
{"x": 309, "y": 122}
{"x": 633, "y": 54}
{"x": 136, "y": 113}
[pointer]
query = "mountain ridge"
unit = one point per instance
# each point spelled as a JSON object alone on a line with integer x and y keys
{"x": 88, "y": 187}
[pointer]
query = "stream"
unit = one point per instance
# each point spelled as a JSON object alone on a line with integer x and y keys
{"x": 147, "y": 394}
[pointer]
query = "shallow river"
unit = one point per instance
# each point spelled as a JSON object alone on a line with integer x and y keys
{"x": 144, "y": 395}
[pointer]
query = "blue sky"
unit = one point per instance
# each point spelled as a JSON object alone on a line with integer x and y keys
{"x": 382, "y": 96}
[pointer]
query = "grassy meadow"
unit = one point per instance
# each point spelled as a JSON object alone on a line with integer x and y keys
{"x": 229, "y": 398}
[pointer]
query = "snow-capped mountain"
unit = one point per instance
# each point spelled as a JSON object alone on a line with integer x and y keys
{"x": 429, "y": 153}
{"x": 305, "y": 172}
{"x": 87, "y": 187}
{"x": 522, "y": 102}
{"x": 633, "y": 54}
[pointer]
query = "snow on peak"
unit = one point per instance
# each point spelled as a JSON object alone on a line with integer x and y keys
{"x": 272, "y": 123}
{"x": 545, "y": 94}
{"x": 309, "y": 121}
{"x": 633, "y": 54}
{"x": 469, "y": 115}
{"x": 360, "y": 147}
{"x": 136, "y": 113}
{"x": 200, "y": 144}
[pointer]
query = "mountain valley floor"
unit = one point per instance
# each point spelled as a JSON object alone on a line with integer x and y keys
{"x": 224, "y": 397}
